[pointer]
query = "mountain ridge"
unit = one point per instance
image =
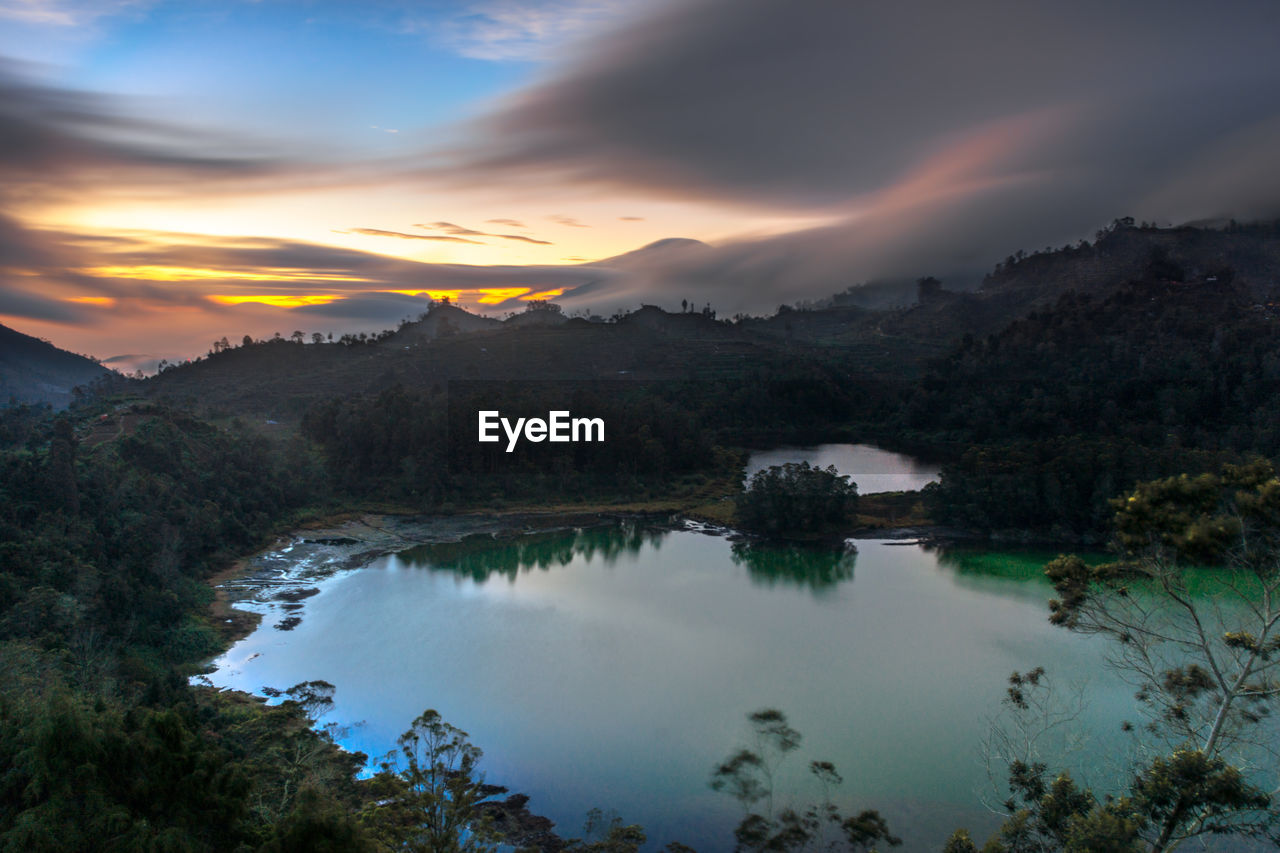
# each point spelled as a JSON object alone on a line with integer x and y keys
{"x": 33, "y": 370}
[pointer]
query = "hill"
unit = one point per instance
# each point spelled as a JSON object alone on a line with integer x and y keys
{"x": 35, "y": 371}
{"x": 281, "y": 379}
{"x": 891, "y": 347}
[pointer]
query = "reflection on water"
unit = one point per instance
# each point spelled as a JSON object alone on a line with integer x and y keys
{"x": 614, "y": 664}
{"x": 479, "y": 557}
{"x": 817, "y": 567}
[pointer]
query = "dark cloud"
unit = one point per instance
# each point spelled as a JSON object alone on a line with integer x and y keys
{"x": 51, "y": 137}
{"x": 378, "y": 232}
{"x": 951, "y": 133}
{"x": 31, "y": 306}
{"x": 60, "y": 144}
{"x": 510, "y": 223}
{"x": 810, "y": 102}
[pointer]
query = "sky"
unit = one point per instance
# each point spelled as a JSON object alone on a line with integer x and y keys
{"x": 175, "y": 172}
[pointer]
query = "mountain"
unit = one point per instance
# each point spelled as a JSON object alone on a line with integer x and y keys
{"x": 35, "y": 371}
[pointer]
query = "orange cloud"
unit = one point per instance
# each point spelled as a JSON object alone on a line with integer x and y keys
{"x": 277, "y": 300}
{"x": 175, "y": 273}
{"x": 484, "y": 295}
{"x": 497, "y": 295}
{"x": 545, "y": 294}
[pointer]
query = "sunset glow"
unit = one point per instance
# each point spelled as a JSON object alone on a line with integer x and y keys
{"x": 165, "y": 273}
{"x": 167, "y": 155}
{"x": 275, "y": 299}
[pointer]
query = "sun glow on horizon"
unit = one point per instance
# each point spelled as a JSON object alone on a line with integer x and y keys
{"x": 104, "y": 301}
{"x": 176, "y": 273}
{"x": 276, "y": 300}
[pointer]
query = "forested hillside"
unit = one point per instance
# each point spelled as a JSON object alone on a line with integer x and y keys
{"x": 35, "y": 371}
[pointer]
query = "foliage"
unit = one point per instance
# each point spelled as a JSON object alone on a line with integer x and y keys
{"x": 1066, "y": 408}
{"x": 796, "y": 498}
{"x": 103, "y": 550}
{"x": 1207, "y": 669}
{"x": 420, "y": 446}
{"x": 749, "y": 775}
{"x": 608, "y": 834}
{"x": 432, "y": 793}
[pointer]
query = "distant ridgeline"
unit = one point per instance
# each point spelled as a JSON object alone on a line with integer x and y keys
{"x": 1068, "y": 376}
{"x": 35, "y": 371}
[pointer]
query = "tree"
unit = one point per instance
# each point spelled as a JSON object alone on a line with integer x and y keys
{"x": 608, "y": 834}
{"x": 796, "y": 498}
{"x": 1194, "y": 608}
{"x": 928, "y": 289}
{"x": 436, "y": 797}
{"x": 749, "y": 776}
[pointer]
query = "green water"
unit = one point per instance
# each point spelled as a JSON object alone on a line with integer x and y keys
{"x": 613, "y": 667}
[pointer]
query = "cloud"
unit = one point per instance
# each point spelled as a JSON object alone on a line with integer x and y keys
{"x": 32, "y": 306}
{"x": 450, "y": 228}
{"x": 378, "y": 232}
{"x": 386, "y": 308}
{"x": 65, "y": 13}
{"x": 948, "y": 133}
{"x": 61, "y": 144}
{"x": 59, "y": 141}
{"x": 853, "y": 95}
{"x": 631, "y": 219}
{"x": 526, "y": 30}
{"x": 510, "y": 223}
{"x": 561, "y": 219}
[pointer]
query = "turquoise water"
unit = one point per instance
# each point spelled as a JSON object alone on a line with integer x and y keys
{"x": 613, "y": 667}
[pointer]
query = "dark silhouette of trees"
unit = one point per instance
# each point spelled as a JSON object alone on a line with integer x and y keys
{"x": 1207, "y": 668}
{"x": 796, "y": 498}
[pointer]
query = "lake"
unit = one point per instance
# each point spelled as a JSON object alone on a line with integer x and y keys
{"x": 614, "y": 667}
{"x": 873, "y": 469}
